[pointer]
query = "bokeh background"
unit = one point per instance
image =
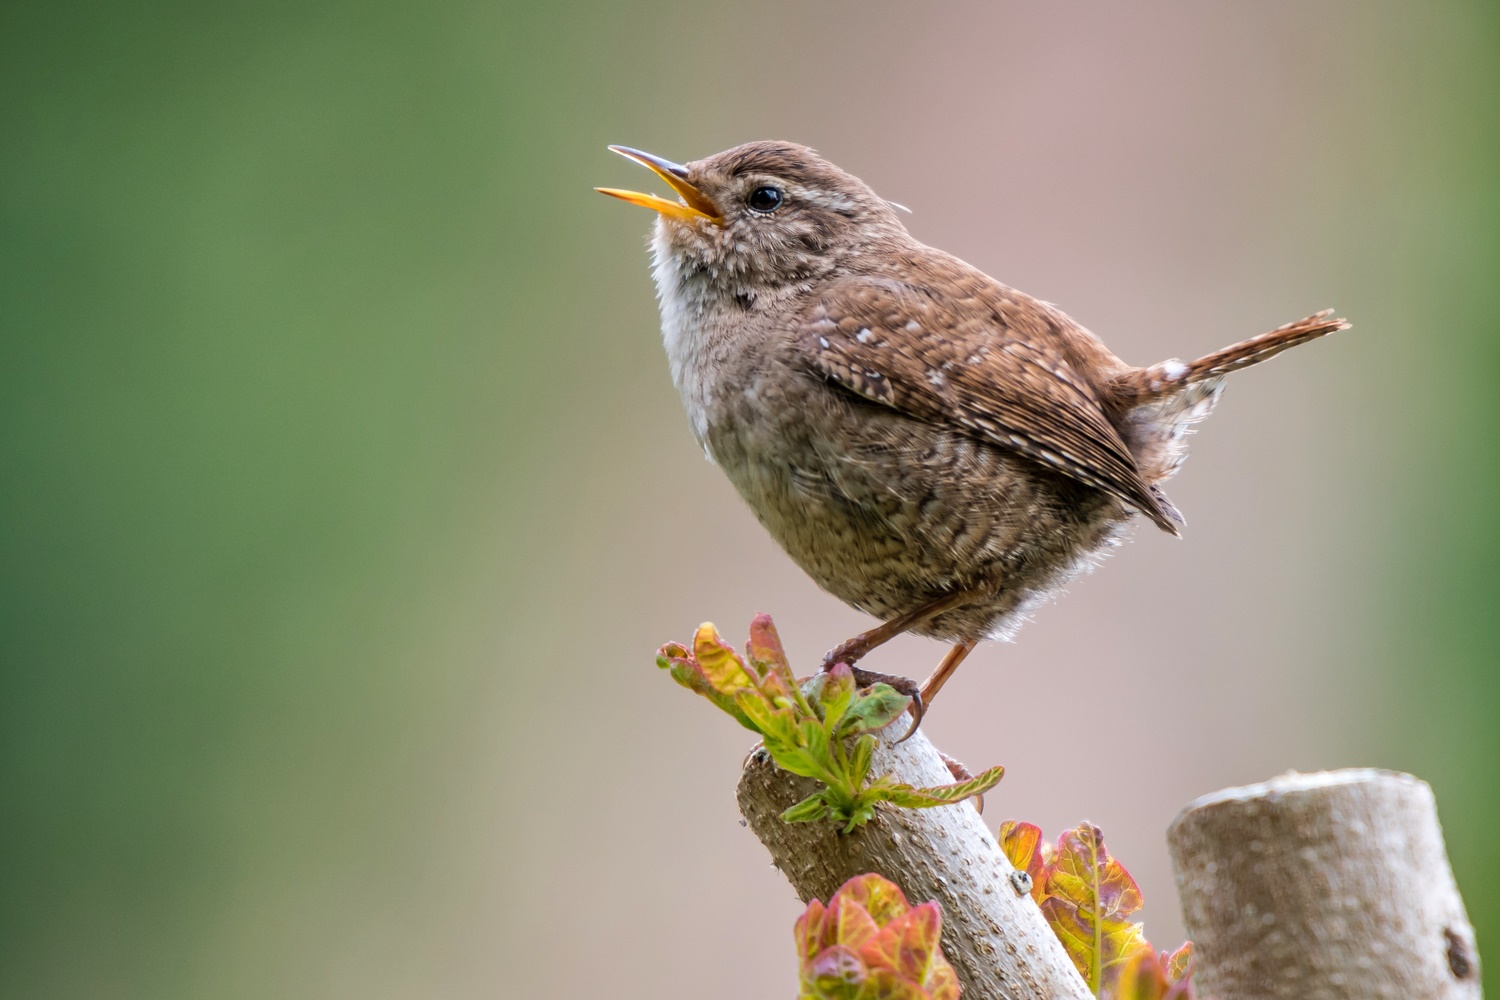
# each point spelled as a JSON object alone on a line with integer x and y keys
{"x": 345, "y": 496}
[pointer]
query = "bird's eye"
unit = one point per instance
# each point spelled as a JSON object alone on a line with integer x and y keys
{"x": 765, "y": 199}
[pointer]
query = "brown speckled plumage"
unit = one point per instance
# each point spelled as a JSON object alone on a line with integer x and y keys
{"x": 905, "y": 426}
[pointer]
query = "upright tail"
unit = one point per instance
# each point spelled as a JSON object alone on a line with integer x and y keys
{"x": 1146, "y": 385}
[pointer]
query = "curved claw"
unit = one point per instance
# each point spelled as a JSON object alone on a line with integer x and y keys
{"x": 917, "y": 711}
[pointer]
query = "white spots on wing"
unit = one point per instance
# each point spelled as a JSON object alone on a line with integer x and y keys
{"x": 824, "y": 342}
{"x": 912, "y": 326}
{"x": 1173, "y": 369}
{"x": 937, "y": 378}
{"x": 864, "y": 335}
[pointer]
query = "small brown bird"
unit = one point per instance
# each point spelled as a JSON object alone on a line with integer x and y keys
{"x": 932, "y": 447}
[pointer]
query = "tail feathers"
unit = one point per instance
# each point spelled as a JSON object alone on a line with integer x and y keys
{"x": 1171, "y": 520}
{"x": 1144, "y": 385}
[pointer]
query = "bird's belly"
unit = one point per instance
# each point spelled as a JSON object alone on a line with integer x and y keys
{"x": 888, "y": 513}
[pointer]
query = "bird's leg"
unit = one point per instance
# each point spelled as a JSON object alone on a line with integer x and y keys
{"x": 944, "y": 670}
{"x": 852, "y": 650}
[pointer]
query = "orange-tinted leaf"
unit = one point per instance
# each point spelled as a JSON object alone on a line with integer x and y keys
{"x": 1180, "y": 962}
{"x": 1089, "y": 894}
{"x": 1081, "y": 854}
{"x": 1022, "y": 844}
{"x": 1141, "y": 978}
{"x": 942, "y": 984}
{"x": 1148, "y": 976}
{"x": 720, "y": 664}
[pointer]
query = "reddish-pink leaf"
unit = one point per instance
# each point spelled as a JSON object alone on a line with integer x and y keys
{"x": 847, "y": 923}
{"x": 881, "y": 898}
{"x": 836, "y": 972}
{"x": 908, "y": 944}
{"x": 869, "y": 944}
{"x": 885, "y": 984}
{"x": 766, "y": 655}
{"x": 808, "y": 931}
{"x": 942, "y": 984}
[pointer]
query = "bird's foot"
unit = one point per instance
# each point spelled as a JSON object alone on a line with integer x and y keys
{"x": 849, "y": 652}
{"x": 867, "y": 678}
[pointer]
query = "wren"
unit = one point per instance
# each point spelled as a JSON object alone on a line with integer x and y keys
{"x": 932, "y": 447}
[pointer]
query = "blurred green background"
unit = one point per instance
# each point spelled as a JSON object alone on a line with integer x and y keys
{"x": 345, "y": 496}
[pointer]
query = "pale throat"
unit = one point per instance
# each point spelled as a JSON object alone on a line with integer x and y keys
{"x": 694, "y": 321}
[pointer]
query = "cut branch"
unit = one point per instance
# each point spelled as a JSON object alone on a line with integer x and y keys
{"x": 1323, "y": 887}
{"x": 993, "y": 934}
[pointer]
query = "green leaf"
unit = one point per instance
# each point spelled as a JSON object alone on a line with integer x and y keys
{"x": 685, "y": 671}
{"x": 858, "y": 814}
{"x": 805, "y": 729}
{"x": 859, "y": 761}
{"x": 796, "y": 760}
{"x": 771, "y": 722}
{"x": 943, "y": 795}
{"x": 872, "y": 709}
{"x": 836, "y": 694}
{"x": 814, "y": 740}
{"x": 812, "y": 808}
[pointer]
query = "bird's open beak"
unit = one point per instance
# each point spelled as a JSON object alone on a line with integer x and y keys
{"x": 696, "y": 207}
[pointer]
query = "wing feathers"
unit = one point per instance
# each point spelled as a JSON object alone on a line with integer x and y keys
{"x": 956, "y": 360}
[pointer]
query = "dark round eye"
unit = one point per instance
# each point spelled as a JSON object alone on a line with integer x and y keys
{"x": 765, "y": 199}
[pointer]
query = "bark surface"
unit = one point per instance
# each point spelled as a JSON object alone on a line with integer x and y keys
{"x": 1328, "y": 886}
{"x": 993, "y": 934}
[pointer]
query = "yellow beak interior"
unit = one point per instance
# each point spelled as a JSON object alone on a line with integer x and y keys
{"x": 693, "y": 205}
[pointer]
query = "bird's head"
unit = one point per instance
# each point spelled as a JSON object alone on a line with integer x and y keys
{"x": 765, "y": 213}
